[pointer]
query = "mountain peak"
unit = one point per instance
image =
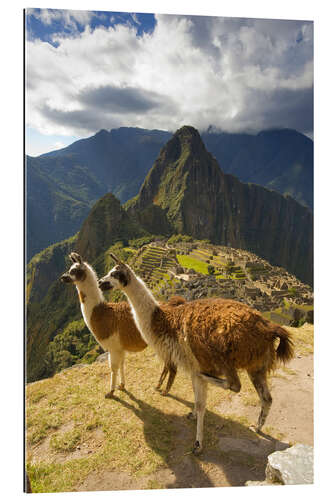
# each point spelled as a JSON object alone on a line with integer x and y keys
{"x": 186, "y": 192}
{"x": 102, "y": 132}
{"x": 106, "y": 223}
{"x": 187, "y": 131}
{"x": 184, "y": 167}
{"x": 185, "y": 141}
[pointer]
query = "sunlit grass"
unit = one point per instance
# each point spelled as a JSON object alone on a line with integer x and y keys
{"x": 73, "y": 431}
{"x": 192, "y": 263}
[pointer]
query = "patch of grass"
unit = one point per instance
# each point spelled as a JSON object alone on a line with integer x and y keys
{"x": 139, "y": 432}
{"x": 192, "y": 263}
{"x": 303, "y": 338}
{"x": 152, "y": 484}
{"x": 66, "y": 441}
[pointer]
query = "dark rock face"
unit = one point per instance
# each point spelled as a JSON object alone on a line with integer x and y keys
{"x": 279, "y": 159}
{"x": 193, "y": 196}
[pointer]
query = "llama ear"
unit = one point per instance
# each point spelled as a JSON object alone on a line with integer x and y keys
{"x": 75, "y": 257}
{"x": 115, "y": 258}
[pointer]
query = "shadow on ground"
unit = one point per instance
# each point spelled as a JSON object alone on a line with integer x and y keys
{"x": 233, "y": 454}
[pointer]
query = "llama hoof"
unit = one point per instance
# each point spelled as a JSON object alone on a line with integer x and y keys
{"x": 197, "y": 449}
{"x": 191, "y": 416}
{"x": 164, "y": 393}
{"x": 121, "y": 387}
{"x": 109, "y": 395}
{"x": 255, "y": 428}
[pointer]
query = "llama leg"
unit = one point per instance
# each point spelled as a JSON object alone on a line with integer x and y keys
{"x": 172, "y": 374}
{"x": 122, "y": 372}
{"x": 233, "y": 380}
{"x": 114, "y": 360}
{"x": 259, "y": 380}
{"x": 192, "y": 415}
{"x": 162, "y": 377}
{"x": 200, "y": 394}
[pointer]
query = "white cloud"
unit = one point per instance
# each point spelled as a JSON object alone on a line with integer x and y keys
{"x": 68, "y": 18}
{"x": 235, "y": 74}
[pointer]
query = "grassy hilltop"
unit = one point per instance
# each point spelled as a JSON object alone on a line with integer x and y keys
{"x": 77, "y": 440}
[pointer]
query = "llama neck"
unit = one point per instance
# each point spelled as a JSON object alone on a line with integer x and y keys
{"x": 90, "y": 295}
{"x": 143, "y": 305}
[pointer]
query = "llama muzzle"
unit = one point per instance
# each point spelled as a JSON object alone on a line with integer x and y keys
{"x": 104, "y": 285}
{"x": 65, "y": 278}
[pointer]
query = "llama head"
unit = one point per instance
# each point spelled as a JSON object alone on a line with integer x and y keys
{"x": 77, "y": 273}
{"x": 119, "y": 276}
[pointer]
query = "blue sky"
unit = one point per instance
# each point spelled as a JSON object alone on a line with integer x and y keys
{"x": 87, "y": 70}
{"x": 43, "y": 26}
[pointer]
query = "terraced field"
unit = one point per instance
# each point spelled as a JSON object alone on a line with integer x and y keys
{"x": 236, "y": 274}
{"x": 153, "y": 263}
{"x": 200, "y": 259}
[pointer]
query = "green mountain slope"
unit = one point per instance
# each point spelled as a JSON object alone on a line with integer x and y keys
{"x": 52, "y": 211}
{"x": 185, "y": 192}
{"x": 63, "y": 185}
{"x": 52, "y": 305}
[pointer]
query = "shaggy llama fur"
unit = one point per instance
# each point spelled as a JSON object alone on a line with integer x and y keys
{"x": 209, "y": 338}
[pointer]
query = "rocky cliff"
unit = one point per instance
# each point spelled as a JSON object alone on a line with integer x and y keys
{"x": 187, "y": 192}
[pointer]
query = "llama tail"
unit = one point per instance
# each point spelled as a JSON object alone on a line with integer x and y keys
{"x": 285, "y": 351}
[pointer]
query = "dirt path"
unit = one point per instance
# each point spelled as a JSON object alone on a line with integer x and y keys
{"x": 240, "y": 454}
{"x": 292, "y": 409}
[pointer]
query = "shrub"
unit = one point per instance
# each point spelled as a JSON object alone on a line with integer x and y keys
{"x": 69, "y": 347}
{"x": 118, "y": 249}
{"x": 211, "y": 269}
{"x": 180, "y": 238}
{"x": 144, "y": 240}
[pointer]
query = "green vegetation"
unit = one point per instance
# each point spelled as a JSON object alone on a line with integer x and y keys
{"x": 192, "y": 263}
{"x": 73, "y": 432}
{"x": 144, "y": 240}
{"x": 180, "y": 238}
{"x": 69, "y": 347}
{"x": 118, "y": 248}
{"x": 210, "y": 269}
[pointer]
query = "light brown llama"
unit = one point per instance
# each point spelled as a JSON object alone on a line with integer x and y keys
{"x": 209, "y": 338}
{"x": 111, "y": 323}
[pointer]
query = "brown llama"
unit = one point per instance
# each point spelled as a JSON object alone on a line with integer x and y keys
{"x": 111, "y": 323}
{"x": 209, "y": 338}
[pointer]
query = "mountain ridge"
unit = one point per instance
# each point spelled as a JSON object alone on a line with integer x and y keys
{"x": 196, "y": 198}
{"x": 119, "y": 160}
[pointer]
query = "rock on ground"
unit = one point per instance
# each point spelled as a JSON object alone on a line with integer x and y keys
{"x": 291, "y": 466}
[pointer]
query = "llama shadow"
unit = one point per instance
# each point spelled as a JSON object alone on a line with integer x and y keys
{"x": 236, "y": 453}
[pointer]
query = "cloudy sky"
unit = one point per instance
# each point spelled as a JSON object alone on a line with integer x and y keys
{"x": 88, "y": 70}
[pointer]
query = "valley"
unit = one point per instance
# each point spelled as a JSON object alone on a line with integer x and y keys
{"x": 191, "y": 230}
